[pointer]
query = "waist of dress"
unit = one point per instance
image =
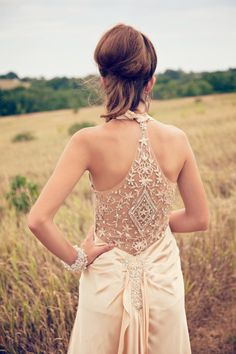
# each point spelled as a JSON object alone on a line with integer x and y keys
{"x": 136, "y": 266}
{"x": 139, "y": 245}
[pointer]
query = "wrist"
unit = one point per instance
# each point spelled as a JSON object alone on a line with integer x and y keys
{"x": 80, "y": 260}
{"x": 73, "y": 257}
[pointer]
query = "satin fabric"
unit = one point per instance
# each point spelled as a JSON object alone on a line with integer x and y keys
{"x": 107, "y": 322}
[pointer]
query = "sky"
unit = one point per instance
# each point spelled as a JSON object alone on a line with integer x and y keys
{"x": 57, "y": 37}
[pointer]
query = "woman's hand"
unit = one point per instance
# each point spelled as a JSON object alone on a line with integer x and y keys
{"x": 91, "y": 249}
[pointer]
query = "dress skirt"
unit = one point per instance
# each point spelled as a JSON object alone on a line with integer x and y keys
{"x": 132, "y": 304}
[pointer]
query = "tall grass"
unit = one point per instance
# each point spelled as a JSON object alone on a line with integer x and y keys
{"x": 38, "y": 299}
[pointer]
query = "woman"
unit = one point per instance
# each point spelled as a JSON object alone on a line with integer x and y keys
{"x": 131, "y": 291}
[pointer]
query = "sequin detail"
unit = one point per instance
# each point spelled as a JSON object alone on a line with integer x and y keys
{"x": 135, "y": 213}
{"x": 143, "y": 211}
{"x": 135, "y": 267}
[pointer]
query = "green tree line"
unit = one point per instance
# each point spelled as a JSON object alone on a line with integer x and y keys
{"x": 177, "y": 83}
{"x": 63, "y": 92}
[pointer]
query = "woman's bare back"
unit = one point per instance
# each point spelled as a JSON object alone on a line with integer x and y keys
{"x": 114, "y": 145}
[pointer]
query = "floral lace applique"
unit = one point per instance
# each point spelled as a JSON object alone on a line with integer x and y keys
{"x": 135, "y": 214}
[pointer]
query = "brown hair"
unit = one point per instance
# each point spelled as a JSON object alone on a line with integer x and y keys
{"x": 127, "y": 59}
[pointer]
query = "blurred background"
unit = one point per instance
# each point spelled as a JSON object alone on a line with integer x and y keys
{"x": 49, "y": 89}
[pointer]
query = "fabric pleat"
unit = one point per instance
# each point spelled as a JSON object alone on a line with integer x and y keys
{"x": 132, "y": 304}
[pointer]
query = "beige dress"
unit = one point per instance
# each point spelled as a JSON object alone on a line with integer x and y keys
{"x": 132, "y": 298}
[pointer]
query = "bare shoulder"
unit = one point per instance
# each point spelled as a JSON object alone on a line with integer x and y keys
{"x": 92, "y": 138}
{"x": 181, "y": 139}
{"x": 170, "y": 129}
{"x": 171, "y": 133}
{"x": 178, "y": 136}
{"x": 171, "y": 143}
{"x": 86, "y": 135}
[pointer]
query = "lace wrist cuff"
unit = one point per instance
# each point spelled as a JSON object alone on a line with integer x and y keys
{"x": 80, "y": 263}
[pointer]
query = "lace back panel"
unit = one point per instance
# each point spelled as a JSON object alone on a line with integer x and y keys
{"x": 135, "y": 213}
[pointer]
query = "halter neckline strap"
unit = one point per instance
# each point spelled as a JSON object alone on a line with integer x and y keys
{"x": 139, "y": 117}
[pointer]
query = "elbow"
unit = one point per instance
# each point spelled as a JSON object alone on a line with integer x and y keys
{"x": 204, "y": 223}
{"x": 199, "y": 222}
{"x": 34, "y": 222}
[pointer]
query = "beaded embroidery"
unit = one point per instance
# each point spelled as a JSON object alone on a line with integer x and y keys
{"x": 135, "y": 266}
{"x": 135, "y": 214}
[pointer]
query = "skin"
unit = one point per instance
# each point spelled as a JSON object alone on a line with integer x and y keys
{"x": 105, "y": 150}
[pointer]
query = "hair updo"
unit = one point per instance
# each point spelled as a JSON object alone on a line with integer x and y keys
{"x": 127, "y": 59}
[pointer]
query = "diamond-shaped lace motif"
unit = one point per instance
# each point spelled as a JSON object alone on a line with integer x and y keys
{"x": 143, "y": 211}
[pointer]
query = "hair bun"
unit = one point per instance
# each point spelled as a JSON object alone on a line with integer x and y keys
{"x": 129, "y": 60}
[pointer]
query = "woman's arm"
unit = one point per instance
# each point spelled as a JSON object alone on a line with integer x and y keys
{"x": 195, "y": 215}
{"x": 70, "y": 167}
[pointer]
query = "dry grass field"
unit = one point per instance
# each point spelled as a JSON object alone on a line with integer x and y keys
{"x": 7, "y": 84}
{"x": 38, "y": 298}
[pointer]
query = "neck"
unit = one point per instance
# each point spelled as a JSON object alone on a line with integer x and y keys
{"x": 141, "y": 108}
